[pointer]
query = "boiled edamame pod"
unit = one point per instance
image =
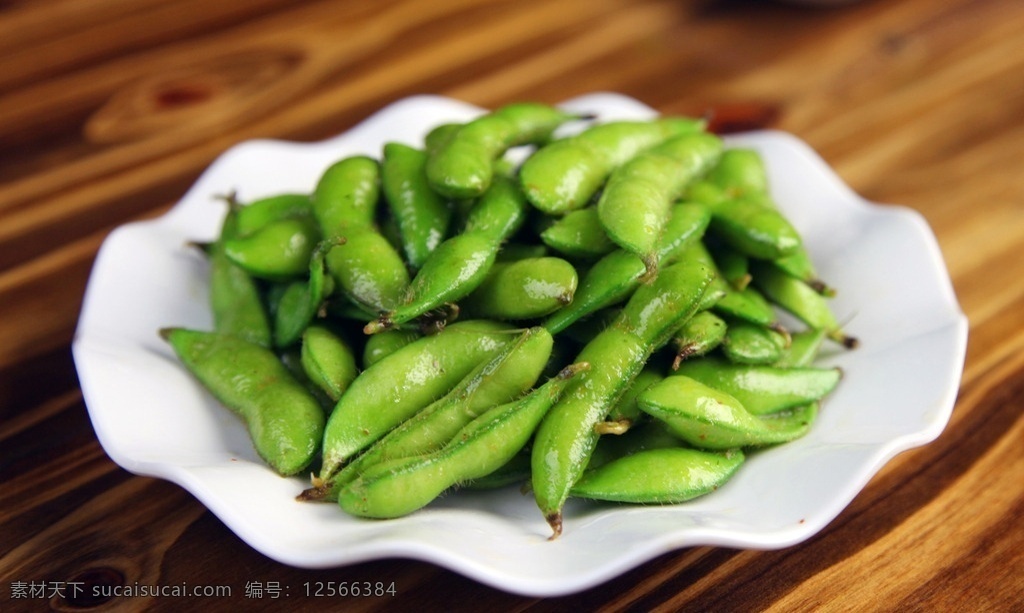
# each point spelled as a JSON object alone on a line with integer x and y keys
{"x": 284, "y": 420}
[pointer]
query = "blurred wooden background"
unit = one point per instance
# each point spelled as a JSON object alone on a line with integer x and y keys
{"x": 110, "y": 109}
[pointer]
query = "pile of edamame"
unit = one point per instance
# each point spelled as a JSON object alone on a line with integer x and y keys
{"x": 599, "y": 320}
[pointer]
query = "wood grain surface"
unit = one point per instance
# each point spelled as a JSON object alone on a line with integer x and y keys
{"x": 110, "y": 109}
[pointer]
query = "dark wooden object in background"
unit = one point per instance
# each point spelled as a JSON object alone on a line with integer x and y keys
{"x": 109, "y": 110}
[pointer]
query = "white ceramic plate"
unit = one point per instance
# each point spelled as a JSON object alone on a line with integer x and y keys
{"x": 153, "y": 419}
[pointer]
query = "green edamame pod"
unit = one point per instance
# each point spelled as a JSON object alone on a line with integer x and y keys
{"x": 368, "y": 270}
{"x": 733, "y": 265}
{"x": 284, "y": 419}
{"x": 399, "y": 487}
{"x": 659, "y": 476}
{"x": 646, "y": 434}
{"x": 524, "y": 289}
{"x": 564, "y": 175}
{"x": 463, "y": 166}
{"x": 801, "y": 300}
{"x": 346, "y": 195}
{"x": 439, "y": 135}
{"x": 278, "y": 251}
{"x": 746, "y": 304}
{"x": 616, "y": 276}
{"x": 751, "y": 228}
{"x": 383, "y": 344}
{"x": 740, "y": 171}
{"x": 235, "y": 300}
{"x": 762, "y": 389}
{"x": 637, "y": 200}
{"x": 515, "y": 471}
{"x": 697, "y": 336}
{"x": 567, "y": 436}
{"x": 500, "y": 212}
{"x": 747, "y": 343}
{"x": 421, "y": 214}
{"x": 503, "y": 378}
{"x": 300, "y": 301}
{"x": 708, "y": 418}
{"x": 258, "y": 213}
{"x": 461, "y": 263}
{"x": 393, "y": 389}
{"x": 328, "y": 361}
{"x": 510, "y": 252}
{"x": 579, "y": 235}
{"x": 803, "y": 348}
{"x": 626, "y": 413}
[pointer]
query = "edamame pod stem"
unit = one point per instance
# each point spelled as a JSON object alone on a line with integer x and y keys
{"x": 463, "y": 166}
{"x": 803, "y": 348}
{"x": 284, "y": 420}
{"x": 399, "y": 487}
{"x": 396, "y": 387}
{"x": 637, "y": 200}
{"x": 567, "y": 436}
{"x": 563, "y": 176}
{"x": 422, "y": 215}
{"x": 762, "y": 389}
{"x": 708, "y": 418}
{"x": 616, "y": 276}
{"x": 497, "y": 381}
{"x": 659, "y": 476}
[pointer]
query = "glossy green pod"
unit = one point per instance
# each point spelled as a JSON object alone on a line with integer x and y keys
{"x": 378, "y": 346}
{"x": 579, "y": 234}
{"x": 636, "y": 202}
{"x": 697, "y": 336}
{"x": 659, "y": 476}
{"x": 278, "y": 251}
{"x": 284, "y": 419}
{"x": 235, "y": 300}
{"x": 368, "y": 270}
{"x": 708, "y": 418}
{"x": 801, "y": 300}
{"x": 567, "y": 436}
{"x": 346, "y": 195}
{"x": 524, "y": 289}
{"x": 740, "y": 171}
{"x": 803, "y": 348}
{"x": 421, "y": 214}
{"x": 398, "y": 487}
{"x": 301, "y": 301}
{"x": 616, "y": 276}
{"x": 625, "y": 413}
{"x": 747, "y": 343}
{"x": 564, "y": 175}
{"x": 762, "y": 389}
{"x": 503, "y": 378}
{"x": 258, "y": 213}
{"x": 396, "y": 387}
{"x": 753, "y": 229}
{"x": 463, "y": 165}
{"x": 328, "y": 361}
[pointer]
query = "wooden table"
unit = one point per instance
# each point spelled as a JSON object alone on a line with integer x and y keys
{"x": 110, "y": 109}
